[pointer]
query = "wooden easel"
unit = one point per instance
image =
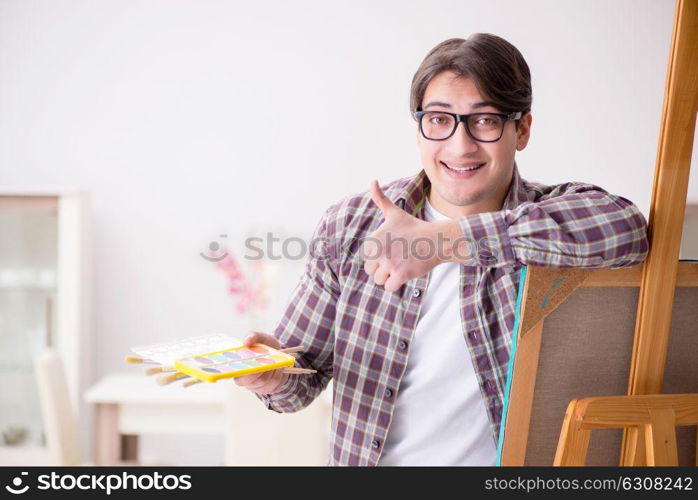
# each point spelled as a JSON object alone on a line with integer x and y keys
{"x": 666, "y": 216}
{"x": 644, "y": 409}
{"x": 653, "y": 418}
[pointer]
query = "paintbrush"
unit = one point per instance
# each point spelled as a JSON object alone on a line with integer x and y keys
{"x": 168, "y": 378}
{"x": 137, "y": 360}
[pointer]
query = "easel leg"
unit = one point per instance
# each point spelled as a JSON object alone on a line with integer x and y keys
{"x": 574, "y": 441}
{"x": 635, "y": 447}
{"x": 660, "y": 438}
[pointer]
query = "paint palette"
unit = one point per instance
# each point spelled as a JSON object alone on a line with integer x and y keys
{"x": 235, "y": 362}
{"x": 166, "y": 353}
{"x": 208, "y": 358}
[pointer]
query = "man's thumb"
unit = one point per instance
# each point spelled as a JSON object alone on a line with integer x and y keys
{"x": 381, "y": 200}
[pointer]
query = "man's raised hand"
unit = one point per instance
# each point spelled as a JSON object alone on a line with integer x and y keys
{"x": 403, "y": 247}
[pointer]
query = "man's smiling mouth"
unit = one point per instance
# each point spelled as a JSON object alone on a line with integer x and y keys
{"x": 463, "y": 169}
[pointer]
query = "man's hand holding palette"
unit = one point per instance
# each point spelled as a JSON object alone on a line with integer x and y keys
{"x": 209, "y": 358}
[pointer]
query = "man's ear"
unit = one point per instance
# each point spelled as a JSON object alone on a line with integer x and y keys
{"x": 523, "y": 134}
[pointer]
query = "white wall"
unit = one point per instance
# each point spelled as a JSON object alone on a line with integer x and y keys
{"x": 181, "y": 118}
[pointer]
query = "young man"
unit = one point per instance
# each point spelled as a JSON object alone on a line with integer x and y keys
{"x": 409, "y": 306}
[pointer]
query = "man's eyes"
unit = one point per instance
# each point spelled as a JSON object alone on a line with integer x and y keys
{"x": 440, "y": 119}
{"x": 448, "y": 118}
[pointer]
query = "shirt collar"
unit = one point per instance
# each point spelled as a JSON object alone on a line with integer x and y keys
{"x": 411, "y": 198}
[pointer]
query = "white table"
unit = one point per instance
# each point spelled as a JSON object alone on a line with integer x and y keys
{"x": 131, "y": 404}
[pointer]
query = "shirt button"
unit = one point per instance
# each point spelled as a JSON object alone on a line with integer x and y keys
{"x": 416, "y": 292}
{"x": 488, "y": 385}
{"x": 402, "y": 345}
{"x": 389, "y": 392}
{"x": 375, "y": 443}
{"x": 473, "y": 335}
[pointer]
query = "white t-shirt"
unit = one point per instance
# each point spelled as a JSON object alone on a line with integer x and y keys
{"x": 439, "y": 416}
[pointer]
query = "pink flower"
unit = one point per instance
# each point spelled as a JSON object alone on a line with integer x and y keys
{"x": 246, "y": 293}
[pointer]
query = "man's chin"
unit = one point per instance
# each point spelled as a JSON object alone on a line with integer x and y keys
{"x": 462, "y": 199}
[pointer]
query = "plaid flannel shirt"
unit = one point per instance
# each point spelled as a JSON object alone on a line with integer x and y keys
{"x": 358, "y": 334}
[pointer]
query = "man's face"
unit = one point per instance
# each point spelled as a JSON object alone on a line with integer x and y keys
{"x": 482, "y": 190}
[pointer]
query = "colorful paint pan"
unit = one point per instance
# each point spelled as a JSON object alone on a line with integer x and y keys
{"x": 231, "y": 363}
{"x": 246, "y": 353}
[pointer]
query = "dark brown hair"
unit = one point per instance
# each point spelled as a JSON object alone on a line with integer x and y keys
{"x": 496, "y": 67}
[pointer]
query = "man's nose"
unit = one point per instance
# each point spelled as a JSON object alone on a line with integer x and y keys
{"x": 461, "y": 140}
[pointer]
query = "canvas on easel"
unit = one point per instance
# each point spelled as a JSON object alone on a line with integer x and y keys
{"x": 582, "y": 347}
{"x": 617, "y": 332}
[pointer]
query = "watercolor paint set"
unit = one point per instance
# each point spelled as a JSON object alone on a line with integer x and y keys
{"x": 210, "y": 358}
{"x": 234, "y": 362}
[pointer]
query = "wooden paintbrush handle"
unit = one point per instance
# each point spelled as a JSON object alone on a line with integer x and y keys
{"x": 158, "y": 369}
{"x": 168, "y": 378}
{"x": 298, "y": 370}
{"x": 136, "y": 360}
{"x": 288, "y": 350}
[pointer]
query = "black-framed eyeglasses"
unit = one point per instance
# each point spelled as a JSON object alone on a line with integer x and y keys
{"x": 482, "y": 127}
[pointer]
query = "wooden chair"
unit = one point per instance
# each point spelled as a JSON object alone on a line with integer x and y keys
{"x": 650, "y": 421}
{"x": 60, "y": 423}
{"x": 60, "y": 426}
